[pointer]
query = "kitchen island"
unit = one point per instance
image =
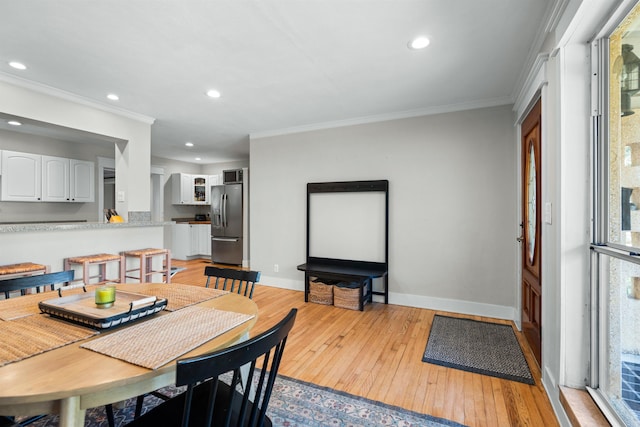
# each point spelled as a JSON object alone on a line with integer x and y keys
{"x": 50, "y": 243}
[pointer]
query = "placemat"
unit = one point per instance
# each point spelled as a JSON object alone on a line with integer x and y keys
{"x": 180, "y": 296}
{"x": 160, "y": 340}
{"x": 31, "y": 335}
{"x": 27, "y": 305}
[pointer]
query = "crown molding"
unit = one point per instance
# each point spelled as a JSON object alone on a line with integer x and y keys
{"x": 384, "y": 117}
{"x": 68, "y": 96}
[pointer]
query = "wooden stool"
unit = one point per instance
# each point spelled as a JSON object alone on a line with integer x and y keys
{"x": 22, "y": 269}
{"x": 101, "y": 261}
{"x": 145, "y": 257}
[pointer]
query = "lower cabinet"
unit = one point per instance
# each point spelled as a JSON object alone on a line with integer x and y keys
{"x": 191, "y": 241}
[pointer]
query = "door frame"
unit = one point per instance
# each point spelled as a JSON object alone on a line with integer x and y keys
{"x": 533, "y": 90}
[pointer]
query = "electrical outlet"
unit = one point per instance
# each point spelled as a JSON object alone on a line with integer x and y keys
{"x": 276, "y": 268}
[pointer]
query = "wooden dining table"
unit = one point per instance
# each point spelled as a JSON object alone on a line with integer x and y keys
{"x": 70, "y": 379}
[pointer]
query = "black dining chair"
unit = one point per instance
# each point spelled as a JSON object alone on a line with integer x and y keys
{"x": 46, "y": 281}
{"x": 210, "y": 401}
{"x": 229, "y": 279}
{"x": 37, "y": 283}
{"x": 239, "y": 281}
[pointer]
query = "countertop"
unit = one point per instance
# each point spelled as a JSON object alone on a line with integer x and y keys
{"x": 55, "y": 226}
{"x": 193, "y": 222}
{"x": 189, "y": 221}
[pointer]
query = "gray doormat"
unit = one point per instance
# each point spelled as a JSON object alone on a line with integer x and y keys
{"x": 474, "y": 346}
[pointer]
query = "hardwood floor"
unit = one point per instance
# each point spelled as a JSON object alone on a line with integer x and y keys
{"x": 377, "y": 354}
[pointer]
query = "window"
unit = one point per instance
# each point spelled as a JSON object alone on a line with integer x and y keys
{"x": 616, "y": 248}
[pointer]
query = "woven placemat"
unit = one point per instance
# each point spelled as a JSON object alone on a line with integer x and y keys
{"x": 27, "y": 305}
{"x": 31, "y": 335}
{"x": 180, "y": 296}
{"x": 160, "y": 340}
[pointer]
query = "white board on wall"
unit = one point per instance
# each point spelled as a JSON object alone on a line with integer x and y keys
{"x": 348, "y": 225}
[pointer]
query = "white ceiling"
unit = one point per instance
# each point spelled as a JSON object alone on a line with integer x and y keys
{"x": 279, "y": 64}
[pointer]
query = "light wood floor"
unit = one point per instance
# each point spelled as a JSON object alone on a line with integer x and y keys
{"x": 377, "y": 354}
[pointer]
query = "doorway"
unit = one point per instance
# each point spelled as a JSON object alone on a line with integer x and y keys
{"x": 531, "y": 248}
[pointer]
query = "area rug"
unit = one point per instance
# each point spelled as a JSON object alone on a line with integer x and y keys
{"x": 475, "y": 346}
{"x": 176, "y": 270}
{"x": 294, "y": 403}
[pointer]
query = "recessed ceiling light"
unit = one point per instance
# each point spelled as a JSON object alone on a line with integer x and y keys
{"x": 213, "y": 93}
{"x": 18, "y": 65}
{"x": 113, "y": 97}
{"x": 198, "y": 158}
{"x": 189, "y": 144}
{"x": 14, "y": 123}
{"x": 419, "y": 43}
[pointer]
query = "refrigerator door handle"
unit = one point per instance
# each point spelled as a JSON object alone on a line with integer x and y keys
{"x": 224, "y": 220}
{"x": 225, "y": 239}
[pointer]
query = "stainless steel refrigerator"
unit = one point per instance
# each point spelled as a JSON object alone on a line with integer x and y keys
{"x": 226, "y": 224}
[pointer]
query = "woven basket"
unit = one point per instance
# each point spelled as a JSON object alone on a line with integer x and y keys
{"x": 347, "y": 295}
{"x": 321, "y": 293}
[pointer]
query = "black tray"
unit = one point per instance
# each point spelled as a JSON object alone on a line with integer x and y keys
{"x": 81, "y": 309}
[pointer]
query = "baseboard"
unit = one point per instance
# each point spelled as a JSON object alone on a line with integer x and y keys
{"x": 418, "y": 301}
{"x": 454, "y": 306}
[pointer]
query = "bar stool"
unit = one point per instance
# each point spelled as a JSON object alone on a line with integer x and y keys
{"x": 10, "y": 271}
{"x": 101, "y": 260}
{"x": 145, "y": 266}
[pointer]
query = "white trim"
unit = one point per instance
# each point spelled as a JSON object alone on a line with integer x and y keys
{"x": 604, "y": 406}
{"x": 157, "y": 170}
{"x": 418, "y": 301}
{"x": 536, "y": 79}
{"x": 103, "y": 162}
{"x": 472, "y": 105}
{"x": 553, "y": 18}
{"x": 68, "y": 96}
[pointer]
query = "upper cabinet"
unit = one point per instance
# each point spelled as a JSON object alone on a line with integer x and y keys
{"x": 188, "y": 189}
{"x": 55, "y": 179}
{"x": 32, "y": 177}
{"x": 82, "y": 181}
{"x": 21, "y": 177}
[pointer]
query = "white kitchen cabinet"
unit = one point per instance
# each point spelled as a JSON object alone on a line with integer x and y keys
{"x": 181, "y": 241}
{"x": 67, "y": 180}
{"x": 188, "y": 189}
{"x": 55, "y": 179}
{"x": 82, "y": 181}
{"x": 21, "y": 177}
{"x": 200, "y": 239}
{"x": 30, "y": 177}
{"x": 191, "y": 241}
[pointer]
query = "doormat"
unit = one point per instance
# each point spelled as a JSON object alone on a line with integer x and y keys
{"x": 475, "y": 346}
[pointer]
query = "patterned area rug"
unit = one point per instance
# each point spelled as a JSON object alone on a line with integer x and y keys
{"x": 481, "y": 347}
{"x": 294, "y": 404}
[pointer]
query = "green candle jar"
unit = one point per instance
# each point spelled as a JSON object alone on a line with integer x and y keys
{"x": 105, "y": 296}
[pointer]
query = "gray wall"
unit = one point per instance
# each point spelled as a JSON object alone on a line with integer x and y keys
{"x": 452, "y": 180}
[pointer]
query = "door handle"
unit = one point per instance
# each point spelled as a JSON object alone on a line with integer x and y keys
{"x": 520, "y": 239}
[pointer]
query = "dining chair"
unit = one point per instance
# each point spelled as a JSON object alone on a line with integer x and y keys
{"x": 208, "y": 400}
{"x": 22, "y": 284}
{"x": 47, "y": 282}
{"x": 239, "y": 281}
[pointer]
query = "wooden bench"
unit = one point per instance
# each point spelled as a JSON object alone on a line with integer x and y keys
{"x": 360, "y": 272}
